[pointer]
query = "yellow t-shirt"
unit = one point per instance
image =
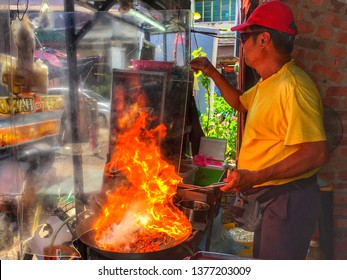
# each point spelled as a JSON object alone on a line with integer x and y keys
{"x": 283, "y": 110}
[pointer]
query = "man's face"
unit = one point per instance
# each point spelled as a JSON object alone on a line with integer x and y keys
{"x": 251, "y": 42}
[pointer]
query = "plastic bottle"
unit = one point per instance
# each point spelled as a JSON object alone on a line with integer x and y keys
{"x": 314, "y": 252}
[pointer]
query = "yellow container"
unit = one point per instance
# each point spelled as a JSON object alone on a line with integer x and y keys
{"x": 247, "y": 251}
{"x": 229, "y": 226}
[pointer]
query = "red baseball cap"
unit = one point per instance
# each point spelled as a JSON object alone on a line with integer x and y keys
{"x": 272, "y": 14}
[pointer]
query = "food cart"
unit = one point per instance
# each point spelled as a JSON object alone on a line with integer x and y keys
{"x": 56, "y": 196}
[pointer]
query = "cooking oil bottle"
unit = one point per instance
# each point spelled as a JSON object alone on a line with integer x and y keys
{"x": 314, "y": 251}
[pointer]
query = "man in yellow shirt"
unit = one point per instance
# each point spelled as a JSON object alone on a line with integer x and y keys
{"x": 284, "y": 142}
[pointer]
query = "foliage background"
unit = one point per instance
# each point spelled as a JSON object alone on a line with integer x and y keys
{"x": 220, "y": 120}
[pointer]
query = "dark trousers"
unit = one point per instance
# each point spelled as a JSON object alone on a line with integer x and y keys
{"x": 288, "y": 224}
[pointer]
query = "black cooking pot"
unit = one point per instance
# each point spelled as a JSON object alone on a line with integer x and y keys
{"x": 86, "y": 234}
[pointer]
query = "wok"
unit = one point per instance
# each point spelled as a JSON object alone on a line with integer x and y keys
{"x": 86, "y": 235}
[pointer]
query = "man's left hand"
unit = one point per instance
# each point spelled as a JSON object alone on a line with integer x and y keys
{"x": 239, "y": 181}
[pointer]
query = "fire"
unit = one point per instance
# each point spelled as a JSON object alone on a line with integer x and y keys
{"x": 139, "y": 215}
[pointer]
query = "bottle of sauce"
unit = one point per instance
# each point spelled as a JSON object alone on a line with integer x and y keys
{"x": 314, "y": 252}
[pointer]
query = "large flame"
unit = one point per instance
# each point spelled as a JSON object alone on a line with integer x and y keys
{"x": 139, "y": 215}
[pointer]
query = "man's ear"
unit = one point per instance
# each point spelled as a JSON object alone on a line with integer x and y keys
{"x": 265, "y": 39}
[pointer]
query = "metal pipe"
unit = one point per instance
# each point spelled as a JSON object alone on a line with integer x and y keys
{"x": 74, "y": 111}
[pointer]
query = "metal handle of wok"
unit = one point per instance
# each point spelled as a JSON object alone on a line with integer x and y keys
{"x": 189, "y": 239}
{"x": 217, "y": 185}
{"x": 209, "y": 187}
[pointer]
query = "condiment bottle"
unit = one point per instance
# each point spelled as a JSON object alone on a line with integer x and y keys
{"x": 314, "y": 252}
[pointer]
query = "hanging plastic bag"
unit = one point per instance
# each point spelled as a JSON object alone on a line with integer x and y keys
{"x": 247, "y": 208}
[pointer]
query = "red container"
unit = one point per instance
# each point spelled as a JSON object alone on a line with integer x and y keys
{"x": 151, "y": 65}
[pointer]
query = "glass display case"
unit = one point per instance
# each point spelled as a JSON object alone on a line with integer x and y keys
{"x": 72, "y": 85}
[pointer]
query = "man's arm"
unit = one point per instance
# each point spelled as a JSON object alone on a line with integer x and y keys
{"x": 309, "y": 156}
{"x": 229, "y": 93}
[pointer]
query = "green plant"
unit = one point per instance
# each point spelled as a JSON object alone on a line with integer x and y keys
{"x": 220, "y": 120}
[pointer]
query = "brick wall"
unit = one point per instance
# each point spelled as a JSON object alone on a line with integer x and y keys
{"x": 321, "y": 50}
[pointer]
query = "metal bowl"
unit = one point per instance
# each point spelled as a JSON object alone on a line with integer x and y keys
{"x": 196, "y": 211}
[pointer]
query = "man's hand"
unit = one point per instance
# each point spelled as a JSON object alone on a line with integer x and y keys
{"x": 202, "y": 64}
{"x": 239, "y": 181}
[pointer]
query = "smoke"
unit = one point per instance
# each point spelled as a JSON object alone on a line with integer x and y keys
{"x": 122, "y": 234}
